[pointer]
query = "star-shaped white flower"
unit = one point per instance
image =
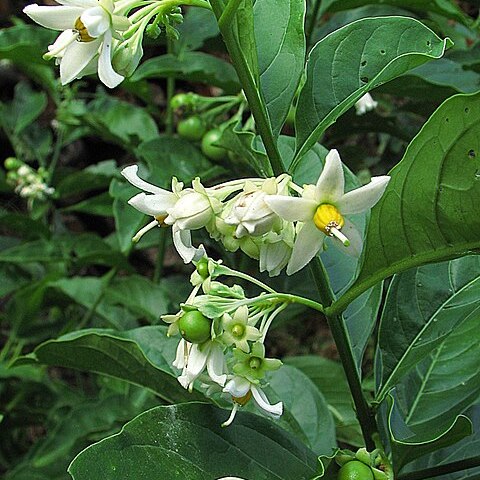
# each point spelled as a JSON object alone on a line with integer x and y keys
{"x": 85, "y": 44}
{"x": 185, "y": 210}
{"x": 321, "y": 211}
{"x": 365, "y": 104}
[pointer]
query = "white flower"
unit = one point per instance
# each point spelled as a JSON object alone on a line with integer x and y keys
{"x": 365, "y": 104}
{"x": 85, "y": 44}
{"x": 276, "y": 250}
{"x": 249, "y": 212}
{"x": 192, "y": 359}
{"x": 185, "y": 210}
{"x": 242, "y": 391}
{"x": 321, "y": 209}
{"x": 237, "y": 331}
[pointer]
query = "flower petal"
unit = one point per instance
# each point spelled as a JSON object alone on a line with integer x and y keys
{"x": 179, "y": 361}
{"x": 96, "y": 20}
{"x": 130, "y": 173}
{"x": 364, "y": 197}
{"x": 182, "y": 239}
{"x": 76, "y": 58}
{"x": 56, "y": 18}
{"x": 107, "y": 75}
{"x": 83, "y": 4}
{"x": 355, "y": 238}
{"x": 237, "y": 387}
{"x": 155, "y": 205}
{"x": 331, "y": 184}
{"x": 197, "y": 360}
{"x": 262, "y": 401}
{"x": 292, "y": 209}
{"x": 308, "y": 243}
{"x": 216, "y": 365}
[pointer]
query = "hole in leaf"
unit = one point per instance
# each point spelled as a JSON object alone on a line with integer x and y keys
{"x": 467, "y": 109}
{"x": 428, "y": 43}
{"x": 364, "y": 79}
{"x": 447, "y": 119}
{"x": 363, "y": 63}
{"x": 383, "y": 52}
{"x": 471, "y": 153}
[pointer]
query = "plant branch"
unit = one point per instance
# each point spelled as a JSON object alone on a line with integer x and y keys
{"x": 313, "y": 20}
{"x": 344, "y": 347}
{"x": 250, "y": 88}
{"x": 452, "y": 467}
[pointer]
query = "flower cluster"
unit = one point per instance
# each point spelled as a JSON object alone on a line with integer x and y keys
{"x": 223, "y": 334}
{"x": 272, "y": 220}
{"x": 29, "y": 183}
{"x": 101, "y": 35}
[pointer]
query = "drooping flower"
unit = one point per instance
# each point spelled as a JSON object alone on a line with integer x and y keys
{"x": 365, "y": 104}
{"x": 183, "y": 209}
{"x": 193, "y": 359}
{"x": 321, "y": 211}
{"x": 241, "y": 391}
{"x": 253, "y": 366}
{"x": 85, "y": 44}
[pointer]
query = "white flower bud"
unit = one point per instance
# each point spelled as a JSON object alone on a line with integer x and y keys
{"x": 251, "y": 215}
{"x": 365, "y": 104}
{"x": 191, "y": 212}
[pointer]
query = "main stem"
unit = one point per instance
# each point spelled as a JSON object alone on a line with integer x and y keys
{"x": 340, "y": 336}
{"x": 249, "y": 85}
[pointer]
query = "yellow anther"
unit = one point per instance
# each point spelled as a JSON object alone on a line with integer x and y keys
{"x": 161, "y": 220}
{"x": 243, "y": 400}
{"x": 327, "y": 216}
{"x": 83, "y": 35}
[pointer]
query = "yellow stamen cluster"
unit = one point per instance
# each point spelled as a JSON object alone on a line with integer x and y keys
{"x": 243, "y": 400}
{"x": 327, "y": 217}
{"x": 83, "y": 35}
{"x": 161, "y": 220}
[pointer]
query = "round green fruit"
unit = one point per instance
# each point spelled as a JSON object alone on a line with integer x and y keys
{"x": 355, "y": 470}
{"x": 209, "y": 149}
{"x": 194, "y": 327}
{"x": 191, "y": 128}
{"x": 179, "y": 100}
{"x": 202, "y": 268}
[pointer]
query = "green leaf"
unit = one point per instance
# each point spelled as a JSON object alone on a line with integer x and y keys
{"x": 461, "y": 451}
{"x": 199, "y": 25}
{"x": 307, "y": 412}
{"x": 100, "y": 205}
{"x": 428, "y": 330}
{"x": 447, "y": 8}
{"x": 191, "y": 66}
{"x": 329, "y": 377}
{"x": 142, "y": 356}
{"x": 281, "y": 48}
{"x": 349, "y": 62}
{"x": 429, "y": 210}
{"x": 26, "y": 106}
{"x": 411, "y": 442}
{"x": 186, "y": 441}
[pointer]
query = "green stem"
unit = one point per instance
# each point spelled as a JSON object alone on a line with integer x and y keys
{"x": 452, "y": 467}
{"x": 170, "y": 93}
{"x": 344, "y": 347}
{"x": 228, "y": 13}
{"x": 222, "y": 270}
{"x": 251, "y": 90}
{"x": 313, "y": 20}
{"x": 162, "y": 242}
{"x": 285, "y": 298}
{"x": 91, "y": 312}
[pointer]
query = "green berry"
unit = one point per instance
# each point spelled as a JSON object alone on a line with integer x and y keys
{"x": 191, "y": 128}
{"x": 195, "y": 327}
{"x": 209, "y": 149}
{"x": 202, "y": 268}
{"x": 12, "y": 163}
{"x": 355, "y": 470}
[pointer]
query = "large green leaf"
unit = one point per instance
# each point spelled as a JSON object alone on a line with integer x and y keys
{"x": 192, "y": 66}
{"x": 187, "y": 442}
{"x": 447, "y": 8}
{"x": 429, "y": 210}
{"x": 329, "y": 378}
{"x": 463, "y": 450}
{"x": 409, "y": 442}
{"x": 307, "y": 412}
{"x": 428, "y": 329}
{"x": 142, "y": 356}
{"x": 349, "y": 62}
{"x": 281, "y": 47}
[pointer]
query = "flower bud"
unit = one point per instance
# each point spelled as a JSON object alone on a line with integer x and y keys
{"x": 127, "y": 56}
{"x": 191, "y": 212}
{"x": 251, "y": 215}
